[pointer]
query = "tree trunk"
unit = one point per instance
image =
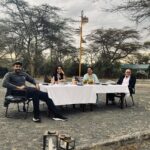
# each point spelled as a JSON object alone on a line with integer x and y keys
{"x": 32, "y": 68}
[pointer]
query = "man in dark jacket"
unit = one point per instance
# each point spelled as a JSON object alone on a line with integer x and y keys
{"x": 15, "y": 84}
{"x": 127, "y": 79}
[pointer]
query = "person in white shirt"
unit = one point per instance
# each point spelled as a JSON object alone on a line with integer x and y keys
{"x": 127, "y": 79}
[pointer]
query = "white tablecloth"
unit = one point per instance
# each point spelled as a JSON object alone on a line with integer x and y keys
{"x": 74, "y": 94}
{"x": 111, "y": 88}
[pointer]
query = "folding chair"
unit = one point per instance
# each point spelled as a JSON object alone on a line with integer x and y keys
{"x": 112, "y": 96}
{"x": 16, "y": 98}
{"x": 121, "y": 96}
{"x": 131, "y": 95}
{"x": 132, "y": 99}
{"x": 124, "y": 99}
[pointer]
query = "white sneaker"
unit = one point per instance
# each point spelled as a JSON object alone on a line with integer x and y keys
{"x": 36, "y": 119}
{"x": 59, "y": 118}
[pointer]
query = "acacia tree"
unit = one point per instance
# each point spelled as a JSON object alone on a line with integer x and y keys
{"x": 91, "y": 53}
{"x": 114, "y": 44}
{"x": 3, "y": 36}
{"x": 110, "y": 46}
{"x": 138, "y": 10}
{"x": 147, "y": 45}
{"x": 37, "y": 29}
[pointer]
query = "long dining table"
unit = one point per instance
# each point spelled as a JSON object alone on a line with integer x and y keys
{"x": 66, "y": 94}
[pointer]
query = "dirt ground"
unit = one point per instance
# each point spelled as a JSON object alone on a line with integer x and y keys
{"x": 104, "y": 122}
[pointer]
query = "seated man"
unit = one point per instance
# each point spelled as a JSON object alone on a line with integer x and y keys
{"x": 90, "y": 76}
{"x": 126, "y": 79}
{"x": 15, "y": 81}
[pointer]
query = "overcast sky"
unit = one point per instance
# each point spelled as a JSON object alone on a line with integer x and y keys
{"x": 94, "y": 10}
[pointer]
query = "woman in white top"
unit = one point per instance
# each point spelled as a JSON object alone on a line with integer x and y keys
{"x": 90, "y": 76}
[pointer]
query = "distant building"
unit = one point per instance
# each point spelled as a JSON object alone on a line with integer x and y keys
{"x": 141, "y": 70}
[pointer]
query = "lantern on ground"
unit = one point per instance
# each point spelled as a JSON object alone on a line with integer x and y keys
{"x": 50, "y": 140}
{"x": 66, "y": 142}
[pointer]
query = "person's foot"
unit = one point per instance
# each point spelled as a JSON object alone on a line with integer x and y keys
{"x": 59, "y": 118}
{"x": 36, "y": 119}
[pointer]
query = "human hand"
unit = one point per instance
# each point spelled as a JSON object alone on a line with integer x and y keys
{"x": 21, "y": 87}
{"x": 62, "y": 72}
{"x": 37, "y": 86}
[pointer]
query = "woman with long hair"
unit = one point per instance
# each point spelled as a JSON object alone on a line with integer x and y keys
{"x": 59, "y": 75}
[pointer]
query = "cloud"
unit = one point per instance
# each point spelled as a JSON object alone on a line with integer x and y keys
{"x": 94, "y": 10}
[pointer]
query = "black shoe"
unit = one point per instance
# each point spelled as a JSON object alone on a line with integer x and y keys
{"x": 36, "y": 119}
{"x": 59, "y": 118}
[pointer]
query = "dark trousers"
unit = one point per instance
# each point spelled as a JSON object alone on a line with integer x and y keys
{"x": 36, "y": 96}
{"x": 111, "y": 97}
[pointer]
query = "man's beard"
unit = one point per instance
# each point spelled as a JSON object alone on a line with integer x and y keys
{"x": 17, "y": 70}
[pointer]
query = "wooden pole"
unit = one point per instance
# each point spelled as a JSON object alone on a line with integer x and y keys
{"x": 80, "y": 53}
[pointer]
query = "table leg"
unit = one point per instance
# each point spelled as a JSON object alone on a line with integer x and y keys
{"x": 74, "y": 106}
{"x": 106, "y": 99}
{"x": 82, "y": 106}
{"x": 91, "y": 107}
{"x": 122, "y": 100}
